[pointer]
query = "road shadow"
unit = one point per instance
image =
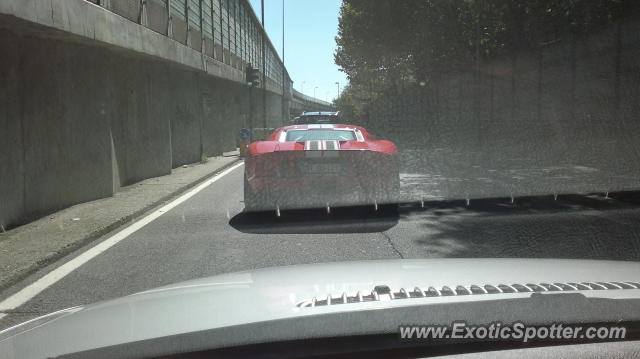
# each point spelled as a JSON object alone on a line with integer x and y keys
{"x": 571, "y": 227}
{"x": 340, "y": 220}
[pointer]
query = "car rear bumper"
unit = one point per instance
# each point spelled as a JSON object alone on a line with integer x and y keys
{"x": 321, "y": 191}
{"x": 311, "y": 179}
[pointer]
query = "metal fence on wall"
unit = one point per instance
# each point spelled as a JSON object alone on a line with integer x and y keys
{"x": 225, "y": 30}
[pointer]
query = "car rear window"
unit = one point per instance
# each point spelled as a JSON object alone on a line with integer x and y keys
{"x": 314, "y": 135}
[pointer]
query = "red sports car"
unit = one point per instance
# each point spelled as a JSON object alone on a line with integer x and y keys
{"x": 320, "y": 165}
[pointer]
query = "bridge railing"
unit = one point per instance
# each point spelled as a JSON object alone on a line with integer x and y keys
{"x": 225, "y": 30}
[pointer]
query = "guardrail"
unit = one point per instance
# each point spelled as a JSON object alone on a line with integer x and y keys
{"x": 225, "y": 30}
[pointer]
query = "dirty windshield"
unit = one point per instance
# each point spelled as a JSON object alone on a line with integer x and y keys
{"x": 147, "y": 143}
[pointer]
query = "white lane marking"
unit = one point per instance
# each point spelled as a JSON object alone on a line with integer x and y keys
{"x": 33, "y": 289}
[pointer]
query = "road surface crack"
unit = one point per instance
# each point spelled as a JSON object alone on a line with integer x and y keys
{"x": 392, "y": 245}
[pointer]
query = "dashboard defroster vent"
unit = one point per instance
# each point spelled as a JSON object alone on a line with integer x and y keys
{"x": 384, "y": 293}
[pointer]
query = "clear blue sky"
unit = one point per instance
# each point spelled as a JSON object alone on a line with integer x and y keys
{"x": 310, "y": 30}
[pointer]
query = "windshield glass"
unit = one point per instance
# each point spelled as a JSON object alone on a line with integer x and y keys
{"x": 149, "y": 143}
{"x": 328, "y": 135}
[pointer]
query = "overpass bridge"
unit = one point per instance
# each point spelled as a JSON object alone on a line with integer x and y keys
{"x": 104, "y": 93}
{"x": 301, "y": 102}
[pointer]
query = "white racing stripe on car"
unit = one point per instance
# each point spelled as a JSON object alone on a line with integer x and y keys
{"x": 33, "y": 289}
{"x": 331, "y": 145}
{"x": 313, "y": 145}
{"x": 324, "y": 145}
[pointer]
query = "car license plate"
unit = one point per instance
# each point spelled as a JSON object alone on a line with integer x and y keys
{"x": 322, "y": 168}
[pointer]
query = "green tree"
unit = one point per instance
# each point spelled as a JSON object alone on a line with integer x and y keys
{"x": 386, "y": 44}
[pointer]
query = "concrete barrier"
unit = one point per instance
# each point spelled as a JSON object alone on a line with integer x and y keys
{"x": 60, "y": 108}
{"x": 95, "y": 95}
{"x": 11, "y": 141}
{"x": 88, "y": 120}
{"x": 139, "y": 118}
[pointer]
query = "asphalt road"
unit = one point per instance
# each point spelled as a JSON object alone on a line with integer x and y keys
{"x": 208, "y": 234}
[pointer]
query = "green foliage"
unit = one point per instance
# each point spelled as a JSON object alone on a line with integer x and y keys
{"x": 386, "y": 45}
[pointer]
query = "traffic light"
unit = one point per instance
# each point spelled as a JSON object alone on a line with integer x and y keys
{"x": 253, "y": 77}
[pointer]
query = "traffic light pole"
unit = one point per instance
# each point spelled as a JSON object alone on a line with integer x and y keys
{"x": 252, "y": 79}
{"x": 251, "y": 113}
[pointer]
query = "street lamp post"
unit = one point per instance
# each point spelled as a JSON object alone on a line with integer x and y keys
{"x": 264, "y": 67}
{"x": 302, "y": 86}
{"x": 338, "y": 83}
{"x": 314, "y": 91}
{"x": 284, "y": 97}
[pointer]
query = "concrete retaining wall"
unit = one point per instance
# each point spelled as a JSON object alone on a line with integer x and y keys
{"x": 11, "y": 141}
{"x": 62, "y": 105}
{"x": 139, "y": 118}
{"x": 78, "y": 121}
{"x": 91, "y": 101}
